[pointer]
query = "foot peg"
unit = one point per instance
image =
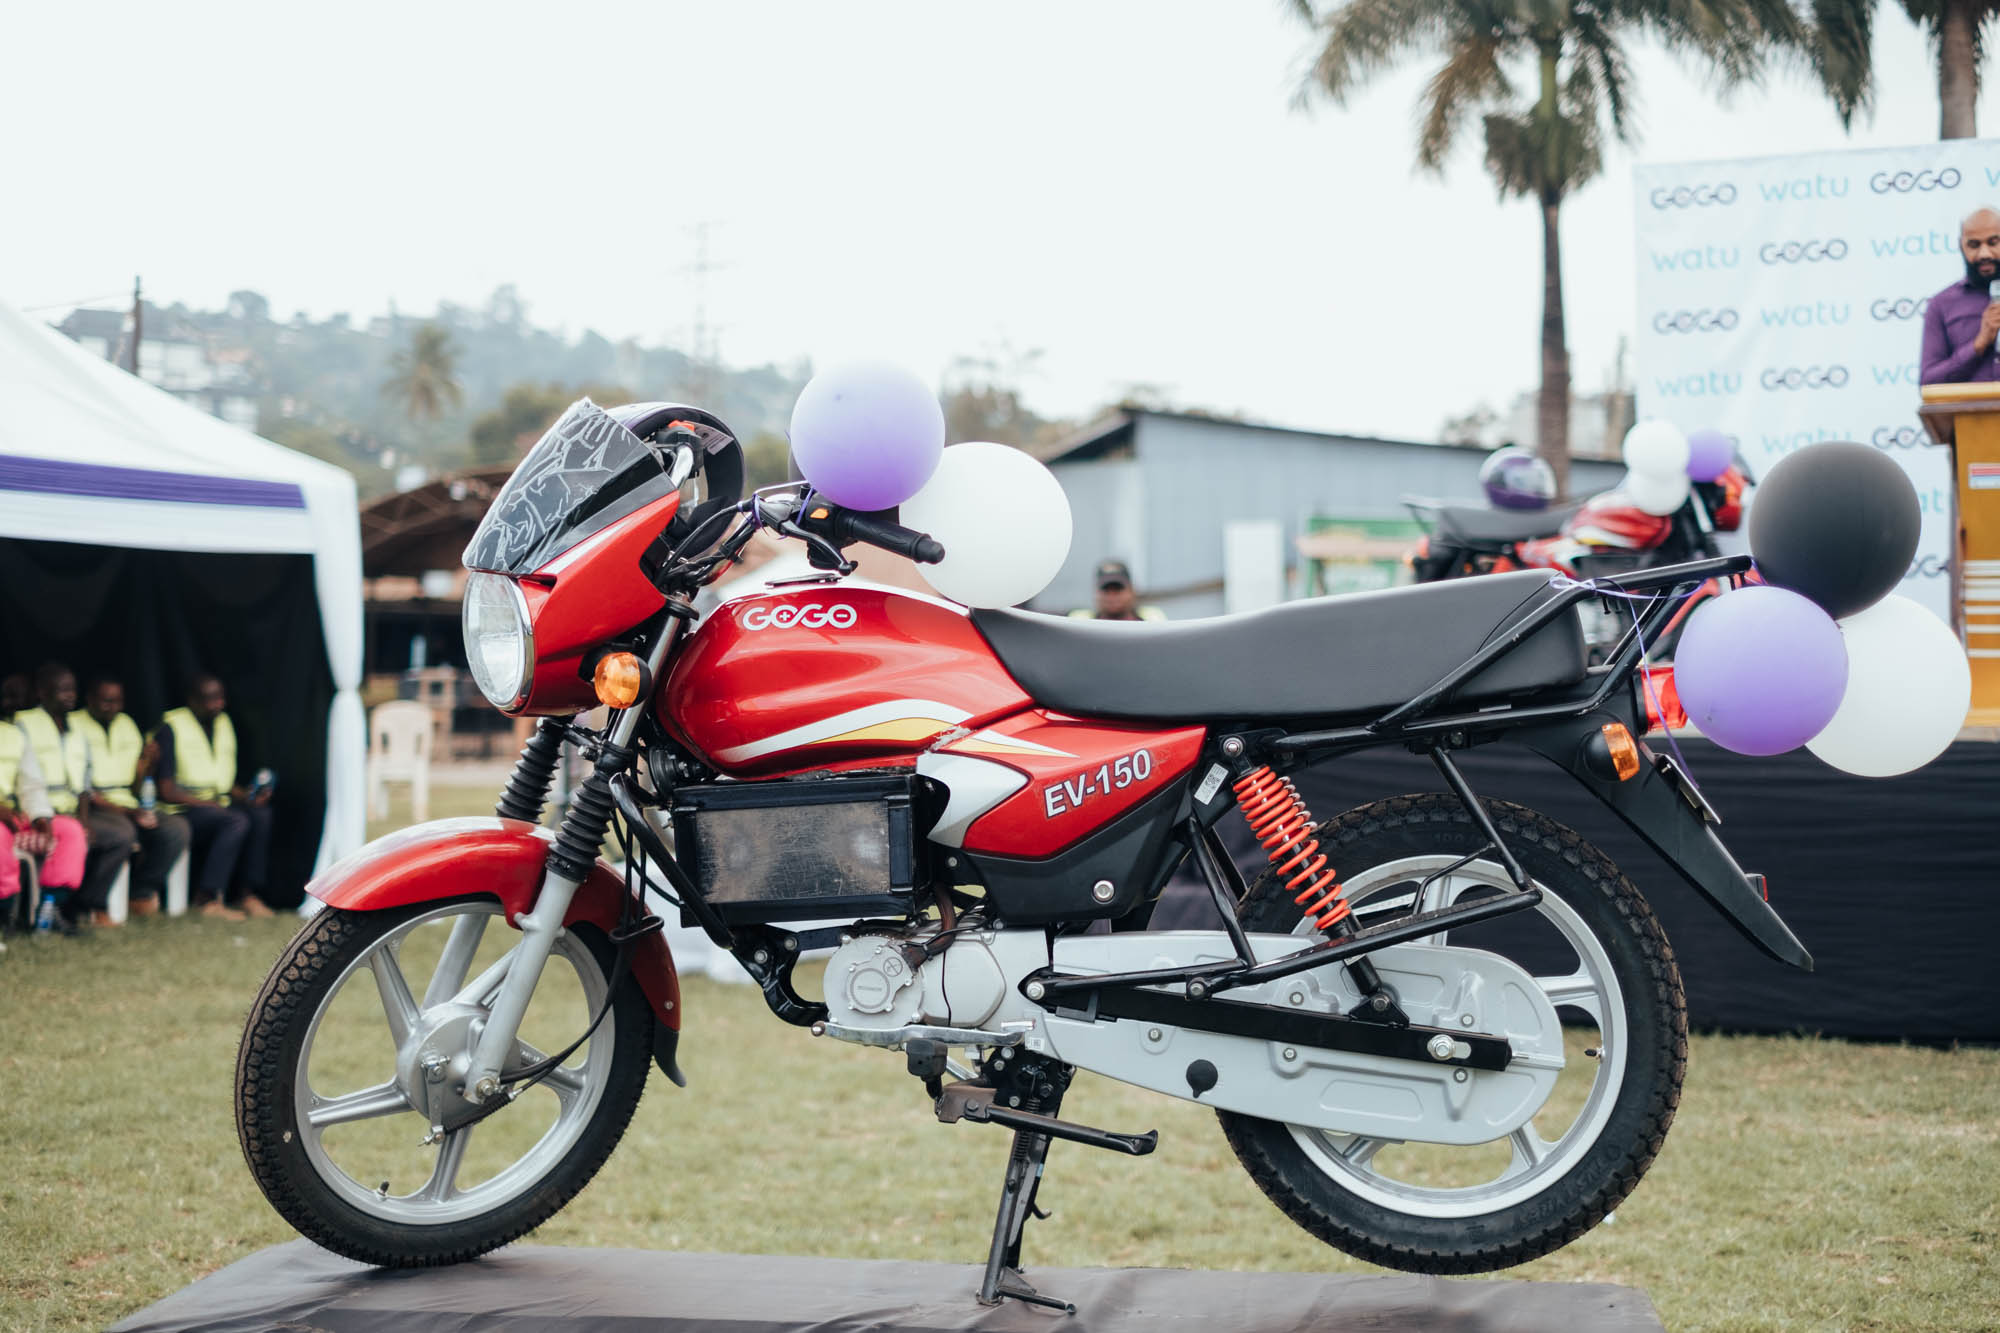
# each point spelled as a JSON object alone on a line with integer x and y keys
{"x": 971, "y": 1101}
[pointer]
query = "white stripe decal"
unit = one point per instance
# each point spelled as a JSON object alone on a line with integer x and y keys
{"x": 976, "y": 786}
{"x": 992, "y": 737}
{"x": 895, "y": 710}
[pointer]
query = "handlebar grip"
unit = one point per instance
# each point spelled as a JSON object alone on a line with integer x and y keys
{"x": 889, "y": 536}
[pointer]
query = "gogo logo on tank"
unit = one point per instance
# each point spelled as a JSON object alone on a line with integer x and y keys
{"x": 838, "y": 616}
{"x": 1905, "y": 308}
{"x": 1804, "y": 377}
{"x": 1694, "y": 196}
{"x": 1902, "y": 182}
{"x": 1802, "y": 252}
{"x": 1694, "y": 321}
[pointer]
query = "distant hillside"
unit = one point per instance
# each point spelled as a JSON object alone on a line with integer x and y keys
{"x": 317, "y": 385}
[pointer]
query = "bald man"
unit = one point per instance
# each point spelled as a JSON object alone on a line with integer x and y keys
{"x": 1963, "y": 320}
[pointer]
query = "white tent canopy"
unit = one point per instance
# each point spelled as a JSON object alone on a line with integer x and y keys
{"x": 91, "y": 454}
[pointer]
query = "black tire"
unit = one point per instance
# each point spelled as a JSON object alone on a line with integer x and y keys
{"x": 267, "y": 1069}
{"x": 1643, "y": 1107}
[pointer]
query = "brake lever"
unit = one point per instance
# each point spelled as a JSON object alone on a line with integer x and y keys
{"x": 824, "y": 549}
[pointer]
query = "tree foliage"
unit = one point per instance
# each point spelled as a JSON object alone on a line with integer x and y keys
{"x": 1550, "y": 82}
{"x": 424, "y": 375}
{"x": 525, "y": 412}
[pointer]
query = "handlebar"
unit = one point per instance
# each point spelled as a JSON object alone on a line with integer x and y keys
{"x": 845, "y": 527}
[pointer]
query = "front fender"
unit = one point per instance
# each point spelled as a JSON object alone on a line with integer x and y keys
{"x": 502, "y": 859}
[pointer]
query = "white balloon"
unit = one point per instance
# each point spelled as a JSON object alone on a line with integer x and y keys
{"x": 1002, "y": 518}
{"x": 1658, "y": 449}
{"x": 1908, "y": 688}
{"x": 1660, "y": 495}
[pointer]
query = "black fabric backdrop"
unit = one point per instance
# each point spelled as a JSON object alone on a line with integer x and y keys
{"x": 155, "y": 619}
{"x": 1892, "y": 884}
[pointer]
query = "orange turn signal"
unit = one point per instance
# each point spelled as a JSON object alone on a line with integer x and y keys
{"x": 619, "y": 679}
{"x": 1623, "y": 749}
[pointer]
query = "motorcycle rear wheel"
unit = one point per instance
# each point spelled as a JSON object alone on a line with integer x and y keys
{"x": 337, "y": 1038}
{"x": 1431, "y": 1209}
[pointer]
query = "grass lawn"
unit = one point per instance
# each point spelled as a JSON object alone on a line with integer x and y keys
{"x": 1806, "y": 1184}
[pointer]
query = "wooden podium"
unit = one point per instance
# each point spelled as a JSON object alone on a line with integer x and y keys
{"x": 1966, "y": 417}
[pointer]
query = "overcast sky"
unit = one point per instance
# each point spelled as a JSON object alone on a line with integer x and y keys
{"x": 1124, "y": 186}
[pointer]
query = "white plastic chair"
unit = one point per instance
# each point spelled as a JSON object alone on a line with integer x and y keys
{"x": 399, "y": 750}
{"x": 119, "y": 904}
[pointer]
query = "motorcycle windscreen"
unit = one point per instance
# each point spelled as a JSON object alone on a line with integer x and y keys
{"x": 585, "y": 474}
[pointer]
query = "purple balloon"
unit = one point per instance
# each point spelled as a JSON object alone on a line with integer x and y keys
{"x": 1761, "y": 670}
{"x": 1709, "y": 455}
{"x": 867, "y": 434}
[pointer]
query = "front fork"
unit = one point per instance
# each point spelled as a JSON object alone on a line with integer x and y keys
{"x": 570, "y": 861}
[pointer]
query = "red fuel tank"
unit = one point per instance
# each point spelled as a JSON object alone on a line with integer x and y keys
{"x": 818, "y": 676}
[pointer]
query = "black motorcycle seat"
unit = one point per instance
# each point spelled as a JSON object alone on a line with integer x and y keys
{"x": 1322, "y": 658}
{"x": 1471, "y": 525}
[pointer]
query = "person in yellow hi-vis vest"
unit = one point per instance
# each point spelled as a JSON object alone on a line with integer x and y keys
{"x": 229, "y": 824}
{"x": 63, "y": 755}
{"x": 28, "y": 826}
{"x": 120, "y": 761}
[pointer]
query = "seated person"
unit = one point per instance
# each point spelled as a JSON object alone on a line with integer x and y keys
{"x": 120, "y": 759}
{"x": 28, "y": 826}
{"x": 63, "y": 754}
{"x": 229, "y": 826}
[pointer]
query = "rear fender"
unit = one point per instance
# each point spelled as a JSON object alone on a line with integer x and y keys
{"x": 1658, "y": 813}
{"x": 502, "y": 859}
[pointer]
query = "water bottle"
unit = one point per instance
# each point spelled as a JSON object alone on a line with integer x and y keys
{"x": 149, "y": 794}
{"x": 266, "y": 780}
{"x": 45, "y": 916}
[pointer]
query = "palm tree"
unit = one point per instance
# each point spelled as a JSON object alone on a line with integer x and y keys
{"x": 1958, "y": 34}
{"x": 426, "y": 374}
{"x": 1569, "y": 58}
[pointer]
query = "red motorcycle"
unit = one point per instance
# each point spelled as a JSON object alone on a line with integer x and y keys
{"x": 1606, "y": 534}
{"x": 1460, "y": 1054}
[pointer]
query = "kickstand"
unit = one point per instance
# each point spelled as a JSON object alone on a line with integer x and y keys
{"x": 1017, "y": 1203}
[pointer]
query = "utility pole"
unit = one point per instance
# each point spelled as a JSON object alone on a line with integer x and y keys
{"x": 138, "y": 314}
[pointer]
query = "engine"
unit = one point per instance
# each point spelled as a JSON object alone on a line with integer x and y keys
{"x": 957, "y": 979}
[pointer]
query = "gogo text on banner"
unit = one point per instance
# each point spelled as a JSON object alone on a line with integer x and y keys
{"x": 1781, "y": 300}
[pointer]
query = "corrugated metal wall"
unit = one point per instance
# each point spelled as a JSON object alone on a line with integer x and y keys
{"x": 1163, "y": 509}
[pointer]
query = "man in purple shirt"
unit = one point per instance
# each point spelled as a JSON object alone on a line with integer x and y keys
{"x": 1964, "y": 318}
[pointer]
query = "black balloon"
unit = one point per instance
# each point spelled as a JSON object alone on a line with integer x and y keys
{"x": 1837, "y": 523}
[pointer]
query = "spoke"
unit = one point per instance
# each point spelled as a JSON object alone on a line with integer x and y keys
{"x": 1578, "y": 990}
{"x": 398, "y": 1006}
{"x": 1358, "y": 1152}
{"x": 566, "y": 1082}
{"x": 1529, "y": 1150}
{"x": 444, "y": 1176}
{"x": 367, "y": 1104}
{"x": 1430, "y": 900}
{"x": 481, "y": 989}
{"x": 456, "y": 960}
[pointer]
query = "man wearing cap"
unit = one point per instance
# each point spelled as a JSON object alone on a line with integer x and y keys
{"x": 119, "y": 760}
{"x": 1962, "y": 322}
{"x": 1115, "y": 599}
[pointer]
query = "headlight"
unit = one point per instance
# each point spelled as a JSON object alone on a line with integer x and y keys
{"x": 499, "y": 641}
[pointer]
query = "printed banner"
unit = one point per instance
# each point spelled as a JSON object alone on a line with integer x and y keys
{"x": 1781, "y": 300}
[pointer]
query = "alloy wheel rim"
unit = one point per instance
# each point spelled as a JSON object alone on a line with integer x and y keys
{"x": 578, "y": 1088}
{"x": 1534, "y": 1163}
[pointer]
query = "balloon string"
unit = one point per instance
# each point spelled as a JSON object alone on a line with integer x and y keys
{"x": 1562, "y": 582}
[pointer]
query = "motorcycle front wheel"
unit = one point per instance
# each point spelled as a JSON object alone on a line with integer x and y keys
{"x": 1596, "y": 951}
{"x": 365, "y": 1019}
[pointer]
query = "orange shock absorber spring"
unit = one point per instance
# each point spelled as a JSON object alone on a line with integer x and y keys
{"x": 1279, "y": 819}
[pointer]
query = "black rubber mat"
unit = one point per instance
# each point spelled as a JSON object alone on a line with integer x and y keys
{"x": 303, "y": 1289}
